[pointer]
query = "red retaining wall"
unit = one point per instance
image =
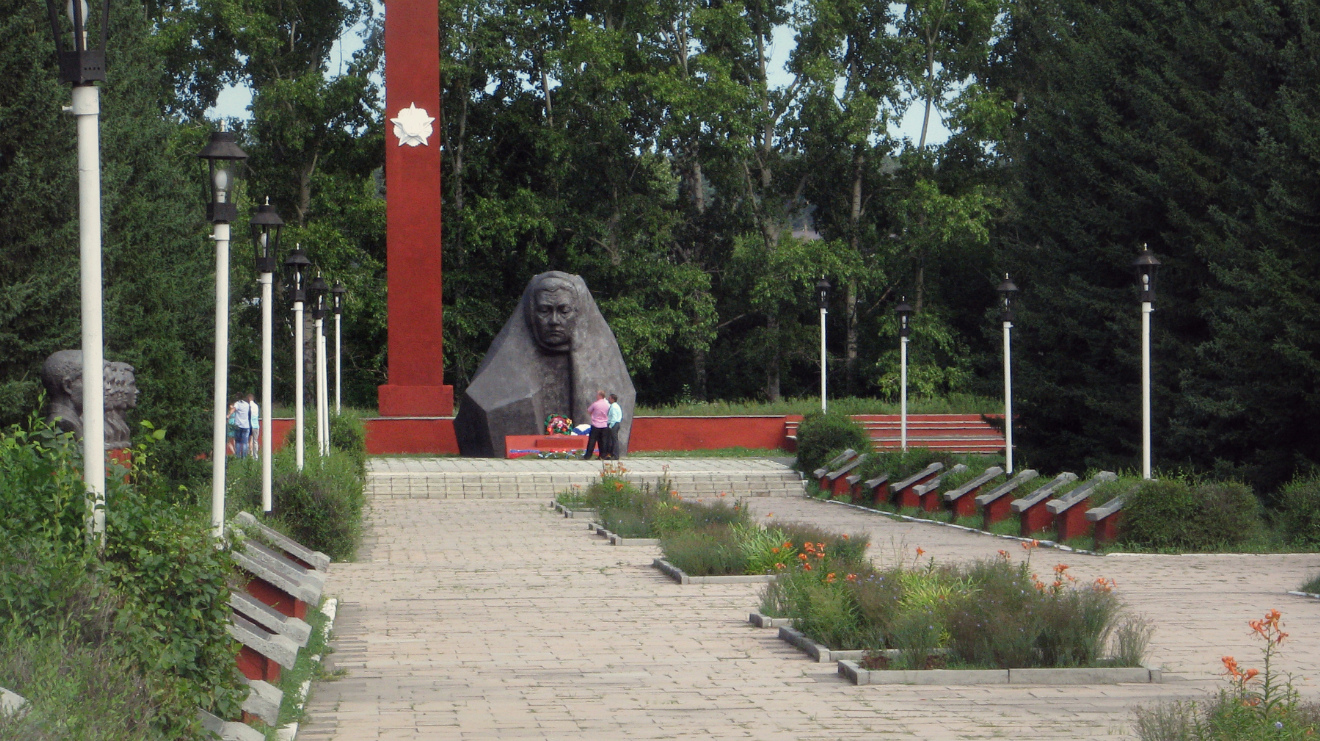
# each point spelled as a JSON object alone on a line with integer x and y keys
{"x": 436, "y": 434}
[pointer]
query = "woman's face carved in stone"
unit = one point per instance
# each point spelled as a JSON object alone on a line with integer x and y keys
{"x": 554, "y": 315}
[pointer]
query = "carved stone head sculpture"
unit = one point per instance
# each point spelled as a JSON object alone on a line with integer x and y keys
{"x": 552, "y": 356}
{"x": 552, "y": 312}
{"x": 62, "y": 377}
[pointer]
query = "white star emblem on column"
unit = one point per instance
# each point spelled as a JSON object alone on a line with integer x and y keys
{"x": 412, "y": 126}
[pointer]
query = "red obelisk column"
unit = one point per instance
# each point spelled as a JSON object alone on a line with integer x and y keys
{"x": 416, "y": 385}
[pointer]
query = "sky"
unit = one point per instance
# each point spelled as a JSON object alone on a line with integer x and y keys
{"x": 233, "y": 101}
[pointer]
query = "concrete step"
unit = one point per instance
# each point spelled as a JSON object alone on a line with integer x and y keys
{"x": 545, "y": 479}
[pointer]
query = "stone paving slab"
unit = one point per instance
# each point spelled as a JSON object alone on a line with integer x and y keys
{"x": 500, "y": 619}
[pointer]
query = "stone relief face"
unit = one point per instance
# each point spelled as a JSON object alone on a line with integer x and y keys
{"x": 554, "y": 316}
{"x": 74, "y": 388}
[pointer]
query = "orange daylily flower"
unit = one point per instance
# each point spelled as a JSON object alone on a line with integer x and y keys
{"x": 920, "y": 551}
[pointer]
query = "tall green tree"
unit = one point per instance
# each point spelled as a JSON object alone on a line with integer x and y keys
{"x": 1185, "y": 126}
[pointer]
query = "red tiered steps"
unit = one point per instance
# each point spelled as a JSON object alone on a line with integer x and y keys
{"x": 956, "y": 433}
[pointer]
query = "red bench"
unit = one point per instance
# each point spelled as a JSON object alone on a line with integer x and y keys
{"x": 1069, "y": 511}
{"x": 1034, "y": 517}
{"x": 963, "y": 499}
{"x": 995, "y": 503}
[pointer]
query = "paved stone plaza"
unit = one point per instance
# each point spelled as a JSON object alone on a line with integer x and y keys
{"x": 495, "y": 618}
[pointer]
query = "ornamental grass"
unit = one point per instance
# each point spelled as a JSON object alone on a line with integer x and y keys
{"x": 992, "y": 613}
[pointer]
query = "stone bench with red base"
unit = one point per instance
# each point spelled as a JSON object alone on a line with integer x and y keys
{"x": 227, "y": 730}
{"x": 838, "y": 480}
{"x": 962, "y": 500}
{"x": 1069, "y": 510}
{"x": 269, "y": 618}
{"x": 821, "y": 473}
{"x": 279, "y": 582}
{"x": 1106, "y": 519}
{"x": 261, "y": 652}
{"x": 903, "y": 490}
{"x": 928, "y": 494}
{"x": 1031, "y": 511}
{"x": 995, "y": 503}
{"x": 876, "y": 489}
{"x": 283, "y": 544}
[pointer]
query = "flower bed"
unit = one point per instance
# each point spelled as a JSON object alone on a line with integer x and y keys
{"x": 990, "y": 614}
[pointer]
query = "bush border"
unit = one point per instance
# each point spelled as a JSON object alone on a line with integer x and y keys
{"x": 1034, "y": 676}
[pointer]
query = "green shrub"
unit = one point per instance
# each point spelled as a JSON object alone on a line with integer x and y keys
{"x": 1175, "y": 514}
{"x": 320, "y": 506}
{"x": 154, "y": 601}
{"x": 349, "y": 435}
{"x": 824, "y": 435}
{"x": 1299, "y": 511}
{"x": 173, "y": 577}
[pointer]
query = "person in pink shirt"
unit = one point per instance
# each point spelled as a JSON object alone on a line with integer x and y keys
{"x": 599, "y": 411}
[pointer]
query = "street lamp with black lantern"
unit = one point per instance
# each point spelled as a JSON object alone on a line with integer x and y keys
{"x": 266, "y": 228}
{"x": 823, "y": 300}
{"x": 1146, "y": 265}
{"x": 296, "y": 266}
{"x": 81, "y": 65}
{"x": 224, "y": 162}
{"x": 338, "y": 307}
{"x": 1006, "y": 291}
{"x": 904, "y": 311}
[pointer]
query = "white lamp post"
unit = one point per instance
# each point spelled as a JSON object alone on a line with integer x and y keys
{"x": 297, "y": 264}
{"x": 224, "y": 160}
{"x": 1146, "y": 265}
{"x": 266, "y": 226}
{"x": 316, "y": 292}
{"x": 81, "y": 66}
{"x": 338, "y": 292}
{"x": 1007, "y": 289}
{"x": 823, "y": 298}
{"x": 904, "y": 312}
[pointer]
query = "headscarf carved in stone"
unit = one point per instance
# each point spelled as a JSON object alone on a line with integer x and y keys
{"x": 61, "y": 375}
{"x": 552, "y": 356}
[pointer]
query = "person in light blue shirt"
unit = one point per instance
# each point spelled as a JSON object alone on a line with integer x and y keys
{"x": 612, "y": 421}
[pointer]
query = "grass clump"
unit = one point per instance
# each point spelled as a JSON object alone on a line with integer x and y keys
{"x": 1312, "y": 586}
{"x": 988, "y": 614}
{"x": 1257, "y": 704}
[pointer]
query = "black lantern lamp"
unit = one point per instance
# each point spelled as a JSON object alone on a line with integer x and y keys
{"x": 80, "y": 64}
{"x": 1146, "y": 266}
{"x": 1006, "y": 290}
{"x": 338, "y": 293}
{"x": 296, "y": 264}
{"x": 266, "y": 227}
{"x": 823, "y": 293}
{"x": 316, "y": 291}
{"x": 225, "y": 162}
{"x": 904, "y": 311}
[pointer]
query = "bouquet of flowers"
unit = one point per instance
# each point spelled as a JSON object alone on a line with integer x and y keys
{"x": 558, "y": 424}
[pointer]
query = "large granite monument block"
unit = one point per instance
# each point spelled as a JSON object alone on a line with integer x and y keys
{"x": 552, "y": 357}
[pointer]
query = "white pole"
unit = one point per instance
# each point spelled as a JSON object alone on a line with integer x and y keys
{"x": 339, "y": 365}
{"x": 320, "y": 386}
{"x": 1008, "y": 398}
{"x": 822, "y": 359}
{"x": 87, "y": 108}
{"x": 902, "y": 408}
{"x": 298, "y": 381}
{"x": 325, "y": 390}
{"x": 267, "y": 291}
{"x": 1146, "y": 308}
{"x": 221, "y": 378}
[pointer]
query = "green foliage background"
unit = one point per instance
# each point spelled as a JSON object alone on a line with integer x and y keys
{"x": 644, "y": 146}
